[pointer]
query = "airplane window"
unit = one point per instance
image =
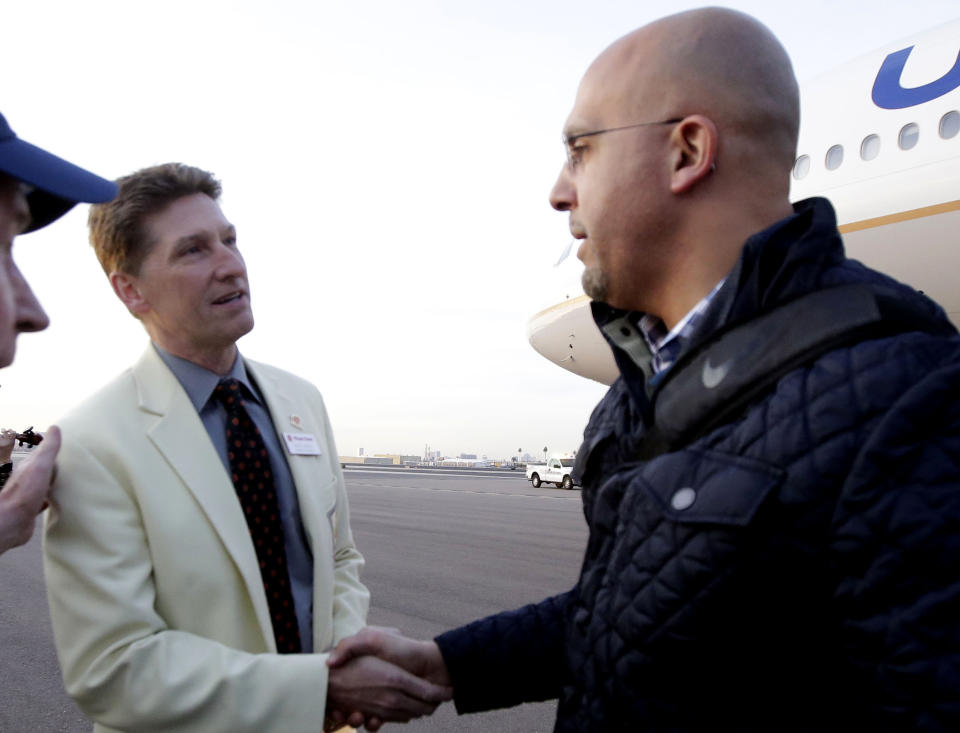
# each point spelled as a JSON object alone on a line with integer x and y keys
{"x": 909, "y": 134}
{"x": 870, "y": 147}
{"x": 950, "y": 125}
{"x": 834, "y": 157}
{"x": 801, "y": 167}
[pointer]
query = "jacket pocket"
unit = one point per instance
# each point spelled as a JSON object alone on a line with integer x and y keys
{"x": 685, "y": 534}
{"x": 705, "y": 487}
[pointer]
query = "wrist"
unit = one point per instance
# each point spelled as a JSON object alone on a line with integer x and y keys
{"x": 439, "y": 674}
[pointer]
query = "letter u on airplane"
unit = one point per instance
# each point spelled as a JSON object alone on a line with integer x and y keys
{"x": 888, "y": 93}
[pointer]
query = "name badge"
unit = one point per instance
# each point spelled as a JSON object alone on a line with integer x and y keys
{"x": 301, "y": 444}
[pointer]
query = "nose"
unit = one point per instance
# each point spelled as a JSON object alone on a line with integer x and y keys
{"x": 563, "y": 196}
{"x": 230, "y": 262}
{"x": 30, "y": 314}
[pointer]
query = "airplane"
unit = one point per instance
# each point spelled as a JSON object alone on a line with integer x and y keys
{"x": 880, "y": 138}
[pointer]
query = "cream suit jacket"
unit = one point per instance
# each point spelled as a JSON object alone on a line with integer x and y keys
{"x": 159, "y": 614}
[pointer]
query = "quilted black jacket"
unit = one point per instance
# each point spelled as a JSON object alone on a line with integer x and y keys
{"x": 795, "y": 568}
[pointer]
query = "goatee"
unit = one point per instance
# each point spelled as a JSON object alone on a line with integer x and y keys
{"x": 596, "y": 284}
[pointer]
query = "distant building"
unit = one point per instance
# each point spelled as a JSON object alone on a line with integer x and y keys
{"x": 377, "y": 461}
{"x": 398, "y": 459}
{"x": 463, "y": 462}
{"x": 381, "y": 459}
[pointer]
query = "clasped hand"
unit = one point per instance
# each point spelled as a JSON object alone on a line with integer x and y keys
{"x": 8, "y": 437}
{"x": 378, "y": 676}
{"x": 25, "y": 493}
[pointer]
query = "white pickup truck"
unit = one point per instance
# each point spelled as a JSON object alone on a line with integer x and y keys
{"x": 556, "y": 470}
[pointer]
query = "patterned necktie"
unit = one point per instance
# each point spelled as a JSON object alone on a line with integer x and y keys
{"x": 253, "y": 481}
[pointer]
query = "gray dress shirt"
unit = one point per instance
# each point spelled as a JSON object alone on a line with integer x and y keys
{"x": 199, "y": 384}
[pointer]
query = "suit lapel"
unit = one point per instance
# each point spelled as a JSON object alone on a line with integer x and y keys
{"x": 180, "y": 436}
{"x": 282, "y": 406}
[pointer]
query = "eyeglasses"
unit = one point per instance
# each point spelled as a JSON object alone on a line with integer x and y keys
{"x": 569, "y": 140}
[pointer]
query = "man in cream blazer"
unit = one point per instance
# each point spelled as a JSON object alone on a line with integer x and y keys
{"x": 159, "y": 608}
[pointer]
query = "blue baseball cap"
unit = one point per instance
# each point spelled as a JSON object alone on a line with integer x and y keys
{"x": 57, "y": 185}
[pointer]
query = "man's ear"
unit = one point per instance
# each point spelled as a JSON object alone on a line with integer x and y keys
{"x": 694, "y": 150}
{"x": 127, "y": 288}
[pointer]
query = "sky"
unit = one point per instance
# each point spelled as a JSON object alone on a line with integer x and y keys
{"x": 387, "y": 167}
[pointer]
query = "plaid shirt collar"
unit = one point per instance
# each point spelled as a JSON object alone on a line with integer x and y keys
{"x": 664, "y": 345}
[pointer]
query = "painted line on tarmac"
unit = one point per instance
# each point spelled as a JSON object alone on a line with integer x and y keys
{"x": 414, "y": 472}
{"x": 575, "y": 497}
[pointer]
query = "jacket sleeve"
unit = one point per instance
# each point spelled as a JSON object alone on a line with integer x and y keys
{"x": 508, "y": 658}
{"x": 122, "y": 664}
{"x": 897, "y": 540}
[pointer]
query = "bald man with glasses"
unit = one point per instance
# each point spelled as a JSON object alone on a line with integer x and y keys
{"x": 772, "y": 486}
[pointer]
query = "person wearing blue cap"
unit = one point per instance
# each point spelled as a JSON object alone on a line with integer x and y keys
{"x": 36, "y": 188}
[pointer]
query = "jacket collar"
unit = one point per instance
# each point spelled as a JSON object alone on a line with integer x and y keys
{"x": 777, "y": 264}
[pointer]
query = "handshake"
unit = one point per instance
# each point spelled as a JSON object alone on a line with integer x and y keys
{"x": 379, "y": 676}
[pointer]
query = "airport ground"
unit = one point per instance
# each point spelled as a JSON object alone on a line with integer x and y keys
{"x": 443, "y": 548}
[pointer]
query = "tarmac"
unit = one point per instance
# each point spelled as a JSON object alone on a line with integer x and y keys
{"x": 442, "y": 549}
